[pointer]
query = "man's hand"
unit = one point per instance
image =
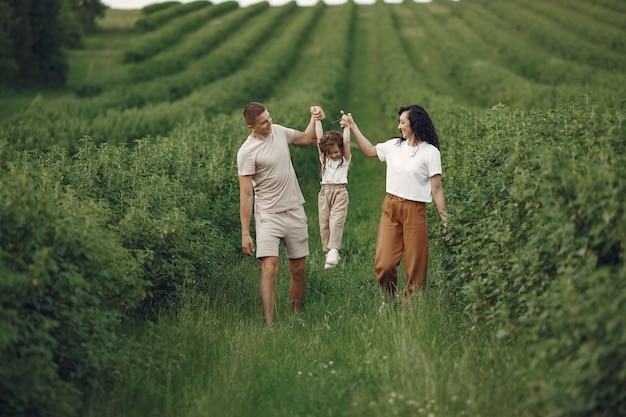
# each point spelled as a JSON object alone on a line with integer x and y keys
{"x": 247, "y": 244}
{"x": 317, "y": 112}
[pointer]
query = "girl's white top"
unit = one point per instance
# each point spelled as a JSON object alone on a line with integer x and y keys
{"x": 410, "y": 168}
{"x": 335, "y": 174}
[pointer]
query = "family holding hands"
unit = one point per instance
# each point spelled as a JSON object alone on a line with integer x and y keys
{"x": 269, "y": 190}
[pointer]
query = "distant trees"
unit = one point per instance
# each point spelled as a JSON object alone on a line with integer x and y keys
{"x": 34, "y": 34}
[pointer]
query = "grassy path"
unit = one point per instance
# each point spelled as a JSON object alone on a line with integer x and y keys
{"x": 102, "y": 55}
{"x": 367, "y": 175}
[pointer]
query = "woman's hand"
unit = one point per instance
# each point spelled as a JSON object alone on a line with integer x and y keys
{"x": 346, "y": 120}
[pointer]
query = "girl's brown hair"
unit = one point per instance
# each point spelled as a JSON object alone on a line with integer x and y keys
{"x": 330, "y": 138}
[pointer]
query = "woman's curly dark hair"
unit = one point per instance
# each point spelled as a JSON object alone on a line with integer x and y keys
{"x": 421, "y": 124}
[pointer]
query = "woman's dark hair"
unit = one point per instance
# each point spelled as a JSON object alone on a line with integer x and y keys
{"x": 330, "y": 138}
{"x": 421, "y": 124}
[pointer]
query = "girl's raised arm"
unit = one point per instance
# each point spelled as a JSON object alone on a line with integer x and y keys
{"x": 319, "y": 132}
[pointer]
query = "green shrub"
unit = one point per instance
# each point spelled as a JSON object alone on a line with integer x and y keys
{"x": 174, "y": 202}
{"x": 151, "y": 21}
{"x": 65, "y": 282}
{"x": 538, "y": 233}
{"x": 143, "y": 47}
{"x": 151, "y": 8}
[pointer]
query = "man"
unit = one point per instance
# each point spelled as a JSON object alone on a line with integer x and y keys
{"x": 267, "y": 177}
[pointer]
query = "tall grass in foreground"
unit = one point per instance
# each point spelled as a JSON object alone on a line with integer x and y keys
{"x": 340, "y": 357}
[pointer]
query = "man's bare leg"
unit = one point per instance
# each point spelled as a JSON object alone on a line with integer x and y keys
{"x": 267, "y": 287}
{"x": 297, "y": 285}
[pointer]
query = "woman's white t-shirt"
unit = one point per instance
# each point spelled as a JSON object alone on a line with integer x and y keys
{"x": 409, "y": 168}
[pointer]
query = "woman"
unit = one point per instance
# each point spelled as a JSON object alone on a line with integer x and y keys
{"x": 413, "y": 179}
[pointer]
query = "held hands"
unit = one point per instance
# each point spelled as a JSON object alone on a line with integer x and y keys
{"x": 317, "y": 112}
{"x": 346, "y": 120}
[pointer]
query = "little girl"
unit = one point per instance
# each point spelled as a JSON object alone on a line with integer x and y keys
{"x": 334, "y": 151}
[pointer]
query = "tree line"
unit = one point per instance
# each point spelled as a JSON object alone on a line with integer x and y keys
{"x": 34, "y": 35}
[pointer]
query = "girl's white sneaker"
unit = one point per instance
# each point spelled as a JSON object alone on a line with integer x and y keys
{"x": 332, "y": 259}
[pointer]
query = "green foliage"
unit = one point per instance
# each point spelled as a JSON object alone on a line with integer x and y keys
{"x": 561, "y": 41}
{"x": 41, "y": 126}
{"x": 579, "y": 22}
{"x": 145, "y": 215}
{"x": 540, "y": 232}
{"x": 172, "y": 202}
{"x": 34, "y": 35}
{"x": 196, "y": 46}
{"x": 87, "y": 12}
{"x": 151, "y": 8}
{"x": 37, "y": 45}
{"x": 152, "y": 43}
{"x": 149, "y": 224}
{"x": 8, "y": 64}
{"x": 65, "y": 282}
{"x": 582, "y": 332}
{"x": 151, "y": 21}
{"x": 69, "y": 20}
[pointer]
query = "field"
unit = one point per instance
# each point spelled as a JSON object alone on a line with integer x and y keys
{"x": 125, "y": 291}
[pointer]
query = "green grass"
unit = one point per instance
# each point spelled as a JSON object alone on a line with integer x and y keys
{"x": 13, "y": 102}
{"x": 100, "y": 58}
{"x": 341, "y": 357}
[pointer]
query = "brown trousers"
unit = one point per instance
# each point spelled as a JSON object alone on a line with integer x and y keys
{"x": 403, "y": 229}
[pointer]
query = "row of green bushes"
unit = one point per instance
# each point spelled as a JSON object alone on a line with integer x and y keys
{"x": 177, "y": 54}
{"x": 155, "y": 18}
{"x": 601, "y": 35}
{"x": 155, "y": 7}
{"x": 541, "y": 31}
{"x": 194, "y": 46}
{"x": 88, "y": 238}
{"x": 530, "y": 62}
{"x": 149, "y": 44}
{"x": 41, "y": 126}
{"x": 465, "y": 57}
{"x": 537, "y": 245}
{"x": 477, "y": 78}
{"x": 396, "y": 84}
{"x": 163, "y": 83}
{"x": 322, "y": 72}
{"x": 204, "y": 59}
{"x": 604, "y": 13}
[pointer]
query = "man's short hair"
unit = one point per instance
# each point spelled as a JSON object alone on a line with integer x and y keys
{"x": 251, "y": 111}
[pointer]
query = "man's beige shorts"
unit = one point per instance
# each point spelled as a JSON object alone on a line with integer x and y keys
{"x": 289, "y": 227}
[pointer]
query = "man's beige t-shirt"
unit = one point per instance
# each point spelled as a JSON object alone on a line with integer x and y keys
{"x": 268, "y": 160}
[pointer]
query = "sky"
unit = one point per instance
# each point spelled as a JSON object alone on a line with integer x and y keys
{"x": 138, "y": 4}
